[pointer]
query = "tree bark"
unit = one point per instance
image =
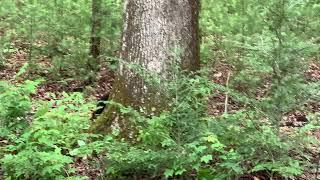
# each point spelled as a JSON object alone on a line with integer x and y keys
{"x": 95, "y": 31}
{"x": 152, "y": 30}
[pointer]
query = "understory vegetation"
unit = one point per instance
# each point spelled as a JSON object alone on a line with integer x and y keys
{"x": 251, "y": 111}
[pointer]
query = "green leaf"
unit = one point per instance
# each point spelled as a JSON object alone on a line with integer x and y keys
{"x": 212, "y": 138}
{"x": 168, "y": 173}
{"x": 206, "y": 158}
{"x": 42, "y": 111}
{"x": 22, "y": 70}
{"x": 180, "y": 172}
{"x": 81, "y": 143}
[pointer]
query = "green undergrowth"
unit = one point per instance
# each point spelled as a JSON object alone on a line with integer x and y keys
{"x": 185, "y": 141}
{"x": 38, "y": 136}
{"x": 41, "y": 139}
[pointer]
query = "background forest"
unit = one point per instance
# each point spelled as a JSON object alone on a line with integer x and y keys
{"x": 251, "y": 112}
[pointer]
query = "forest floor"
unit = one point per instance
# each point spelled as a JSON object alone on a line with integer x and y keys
{"x": 103, "y": 85}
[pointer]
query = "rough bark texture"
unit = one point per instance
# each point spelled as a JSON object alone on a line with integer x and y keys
{"x": 152, "y": 30}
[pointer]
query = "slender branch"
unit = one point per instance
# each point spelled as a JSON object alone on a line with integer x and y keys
{"x": 227, "y": 95}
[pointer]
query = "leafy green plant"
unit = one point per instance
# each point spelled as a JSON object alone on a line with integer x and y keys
{"x": 185, "y": 141}
{"x": 258, "y": 147}
{"x": 31, "y": 163}
{"x": 15, "y": 103}
{"x": 43, "y": 150}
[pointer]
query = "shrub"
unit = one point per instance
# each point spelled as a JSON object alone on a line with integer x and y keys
{"x": 186, "y": 141}
{"x": 43, "y": 150}
{"x": 15, "y": 103}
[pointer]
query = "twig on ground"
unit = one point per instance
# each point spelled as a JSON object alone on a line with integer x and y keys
{"x": 227, "y": 95}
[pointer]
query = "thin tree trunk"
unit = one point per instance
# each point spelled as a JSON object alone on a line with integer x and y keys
{"x": 152, "y": 30}
{"x": 95, "y": 32}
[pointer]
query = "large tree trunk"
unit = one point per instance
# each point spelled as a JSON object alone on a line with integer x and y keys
{"x": 152, "y": 30}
